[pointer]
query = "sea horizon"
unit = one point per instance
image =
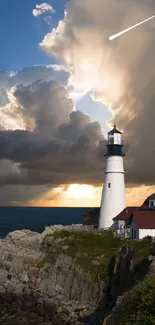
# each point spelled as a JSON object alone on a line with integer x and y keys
{"x": 36, "y": 218}
{"x": 29, "y": 206}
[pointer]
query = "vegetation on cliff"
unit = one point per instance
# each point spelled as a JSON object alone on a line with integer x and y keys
{"x": 95, "y": 250}
{"x": 80, "y": 275}
{"x": 138, "y": 308}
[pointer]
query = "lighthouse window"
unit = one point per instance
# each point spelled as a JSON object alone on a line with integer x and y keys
{"x": 109, "y": 185}
{"x": 111, "y": 139}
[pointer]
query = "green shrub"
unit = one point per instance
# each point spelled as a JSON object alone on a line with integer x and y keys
{"x": 141, "y": 248}
{"x": 139, "y": 307}
{"x": 60, "y": 234}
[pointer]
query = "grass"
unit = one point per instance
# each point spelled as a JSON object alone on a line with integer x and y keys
{"x": 141, "y": 249}
{"x": 100, "y": 243}
{"x": 94, "y": 250}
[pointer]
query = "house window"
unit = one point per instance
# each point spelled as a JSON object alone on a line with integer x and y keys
{"x": 152, "y": 203}
{"x": 109, "y": 185}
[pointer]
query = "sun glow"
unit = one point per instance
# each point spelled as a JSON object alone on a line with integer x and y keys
{"x": 80, "y": 191}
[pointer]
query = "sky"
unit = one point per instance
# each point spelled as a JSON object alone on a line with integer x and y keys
{"x": 61, "y": 84}
{"x": 20, "y": 33}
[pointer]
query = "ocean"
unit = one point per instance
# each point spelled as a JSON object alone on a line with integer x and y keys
{"x": 35, "y": 219}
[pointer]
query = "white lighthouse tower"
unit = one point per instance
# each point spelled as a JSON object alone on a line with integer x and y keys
{"x": 113, "y": 195}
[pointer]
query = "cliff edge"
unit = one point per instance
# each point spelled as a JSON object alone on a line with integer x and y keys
{"x": 67, "y": 276}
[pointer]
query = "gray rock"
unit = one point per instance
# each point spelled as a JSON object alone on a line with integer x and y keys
{"x": 47, "y": 241}
{"x": 33, "y": 265}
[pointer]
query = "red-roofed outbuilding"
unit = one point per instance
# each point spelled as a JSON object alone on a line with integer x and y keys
{"x": 142, "y": 224}
{"x": 141, "y": 220}
{"x": 122, "y": 219}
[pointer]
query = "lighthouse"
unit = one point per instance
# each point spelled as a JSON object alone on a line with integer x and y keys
{"x": 113, "y": 194}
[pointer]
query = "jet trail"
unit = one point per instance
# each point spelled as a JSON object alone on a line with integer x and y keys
{"x": 128, "y": 29}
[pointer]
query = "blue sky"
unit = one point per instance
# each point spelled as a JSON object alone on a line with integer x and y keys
{"x": 96, "y": 110}
{"x": 20, "y": 35}
{"x": 21, "y": 32}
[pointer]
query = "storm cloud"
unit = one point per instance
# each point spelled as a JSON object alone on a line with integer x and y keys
{"x": 43, "y": 139}
{"x": 121, "y": 73}
{"x": 61, "y": 146}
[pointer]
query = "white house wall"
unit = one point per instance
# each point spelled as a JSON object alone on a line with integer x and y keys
{"x": 121, "y": 223}
{"x": 146, "y": 232}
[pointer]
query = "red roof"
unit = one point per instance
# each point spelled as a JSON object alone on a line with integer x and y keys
{"x": 126, "y": 213}
{"x": 146, "y": 202}
{"x": 152, "y": 196}
{"x": 145, "y": 206}
{"x": 144, "y": 219}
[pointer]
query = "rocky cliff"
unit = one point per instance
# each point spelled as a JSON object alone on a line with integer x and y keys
{"x": 66, "y": 277}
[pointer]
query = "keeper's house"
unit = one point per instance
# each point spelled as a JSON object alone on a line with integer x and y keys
{"x": 139, "y": 220}
{"x": 142, "y": 224}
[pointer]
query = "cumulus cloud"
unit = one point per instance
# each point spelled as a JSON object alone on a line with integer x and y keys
{"x": 43, "y": 139}
{"x": 48, "y": 20}
{"x": 5, "y": 76}
{"x": 27, "y": 76}
{"x": 54, "y": 144}
{"x": 10, "y": 115}
{"x": 42, "y": 9}
{"x": 120, "y": 72}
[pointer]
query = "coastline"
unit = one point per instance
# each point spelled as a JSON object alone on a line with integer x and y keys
{"x": 67, "y": 275}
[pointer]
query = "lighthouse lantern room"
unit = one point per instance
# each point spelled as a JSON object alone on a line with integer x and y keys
{"x": 113, "y": 194}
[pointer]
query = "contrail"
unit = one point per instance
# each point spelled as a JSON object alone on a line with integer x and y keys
{"x": 128, "y": 29}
